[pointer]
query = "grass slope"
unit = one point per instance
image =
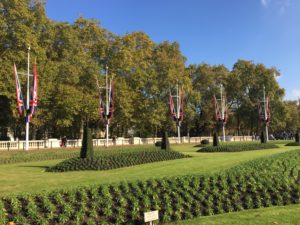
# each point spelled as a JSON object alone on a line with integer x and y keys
{"x": 31, "y": 177}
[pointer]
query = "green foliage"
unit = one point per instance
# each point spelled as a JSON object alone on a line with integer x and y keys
{"x": 87, "y": 149}
{"x": 216, "y": 139}
{"x": 165, "y": 144}
{"x": 113, "y": 161}
{"x": 238, "y": 147}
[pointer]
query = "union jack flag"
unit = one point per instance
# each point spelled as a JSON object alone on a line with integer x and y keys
{"x": 20, "y": 101}
{"x": 34, "y": 96}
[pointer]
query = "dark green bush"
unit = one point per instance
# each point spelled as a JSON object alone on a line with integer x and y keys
{"x": 263, "y": 138}
{"x": 158, "y": 144}
{"x": 216, "y": 139}
{"x": 293, "y": 144}
{"x": 237, "y": 147}
{"x": 165, "y": 141}
{"x": 115, "y": 161}
{"x": 297, "y": 139}
{"x": 205, "y": 142}
{"x": 87, "y": 149}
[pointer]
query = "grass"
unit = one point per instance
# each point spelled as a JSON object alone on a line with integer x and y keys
{"x": 30, "y": 177}
{"x": 280, "y": 215}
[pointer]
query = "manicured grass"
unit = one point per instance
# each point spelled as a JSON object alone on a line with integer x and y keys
{"x": 281, "y": 215}
{"x": 31, "y": 176}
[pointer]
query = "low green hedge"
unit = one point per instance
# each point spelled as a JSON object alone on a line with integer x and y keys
{"x": 107, "y": 162}
{"x": 293, "y": 144}
{"x": 238, "y": 148}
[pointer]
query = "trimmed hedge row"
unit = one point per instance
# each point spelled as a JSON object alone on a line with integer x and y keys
{"x": 264, "y": 182}
{"x": 237, "y": 148}
{"x": 109, "y": 162}
{"x": 293, "y": 144}
{"x": 40, "y": 155}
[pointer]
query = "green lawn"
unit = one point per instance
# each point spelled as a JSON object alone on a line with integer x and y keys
{"x": 282, "y": 215}
{"x": 31, "y": 176}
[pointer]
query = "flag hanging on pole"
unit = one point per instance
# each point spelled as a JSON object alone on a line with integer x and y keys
{"x": 217, "y": 110}
{"x": 225, "y": 110}
{"x": 20, "y": 101}
{"x": 181, "y": 111}
{"x": 111, "y": 100}
{"x": 172, "y": 108}
{"x": 268, "y": 110}
{"x": 101, "y": 108}
{"x": 34, "y": 95}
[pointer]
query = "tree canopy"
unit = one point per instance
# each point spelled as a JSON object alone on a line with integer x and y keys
{"x": 71, "y": 57}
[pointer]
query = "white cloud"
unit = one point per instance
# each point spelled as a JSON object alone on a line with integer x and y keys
{"x": 265, "y": 3}
{"x": 296, "y": 92}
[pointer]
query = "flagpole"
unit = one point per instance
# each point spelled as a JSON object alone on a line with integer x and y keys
{"x": 27, "y": 103}
{"x": 107, "y": 104}
{"x": 265, "y": 109}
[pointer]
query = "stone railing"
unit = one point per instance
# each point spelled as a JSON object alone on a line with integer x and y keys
{"x": 55, "y": 143}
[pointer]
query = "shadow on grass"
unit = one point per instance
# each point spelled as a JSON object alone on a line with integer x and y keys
{"x": 44, "y": 167}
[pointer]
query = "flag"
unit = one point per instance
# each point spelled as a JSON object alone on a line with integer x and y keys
{"x": 172, "y": 108}
{"x": 111, "y": 100}
{"x": 101, "y": 108}
{"x": 268, "y": 110}
{"x": 34, "y": 94}
{"x": 181, "y": 111}
{"x": 20, "y": 101}
{"x": 217, "y": 110}
{"x": 225, "y": 110}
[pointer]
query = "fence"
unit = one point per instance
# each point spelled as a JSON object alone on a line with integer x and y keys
{"x": 55, "y": 143}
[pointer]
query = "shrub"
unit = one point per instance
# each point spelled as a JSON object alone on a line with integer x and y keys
{"x": 165, "y": 141}
{"x": 216, "y": 139}
{"x": 237, "y": 147}
{"x": 263, "y": 138}
{"x": 87, "y": 150}
{"x": 297, "y": 137}
{"x": 115, "y": 161}
{"x": 158, "y": 144}
{"x": 205, "y": 142}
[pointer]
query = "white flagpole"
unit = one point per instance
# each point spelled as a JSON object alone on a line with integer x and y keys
{"x": 27, "y": 103}
{"x": 107, "y": 105}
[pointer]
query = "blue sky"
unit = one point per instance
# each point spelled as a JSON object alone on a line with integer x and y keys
{"x": 208, "y": 31}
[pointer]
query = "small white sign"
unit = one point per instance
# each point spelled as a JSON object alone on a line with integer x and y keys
{"x": 151, "y": 216}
